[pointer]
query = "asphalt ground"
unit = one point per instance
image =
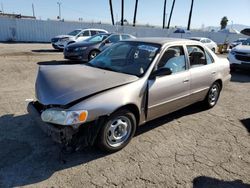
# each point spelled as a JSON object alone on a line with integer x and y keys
{"x": 192, "y": 147}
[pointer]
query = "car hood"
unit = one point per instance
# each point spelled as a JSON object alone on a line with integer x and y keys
{"x": 63, "y": 36}
{"x": 82, "y": 44}
{"x": 63, "y": 84}
{"x": 242, "y": 48}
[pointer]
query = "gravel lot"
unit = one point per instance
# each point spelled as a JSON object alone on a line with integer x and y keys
{"x": 189, "y": 148}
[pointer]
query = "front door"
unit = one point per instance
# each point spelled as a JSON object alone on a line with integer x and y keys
{"x": 170, "y": 92}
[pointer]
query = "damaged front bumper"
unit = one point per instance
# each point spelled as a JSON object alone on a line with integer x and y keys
{"x": 60, "y": 134}
{"x": 83, "y": 136}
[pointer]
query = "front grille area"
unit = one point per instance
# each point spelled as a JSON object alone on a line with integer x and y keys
{"x": 242, "y": 57}
{"x": 69, "y": 49}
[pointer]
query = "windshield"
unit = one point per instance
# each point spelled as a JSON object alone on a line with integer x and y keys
{"x": 246, "y": 42}
{"x": 127, "y": 57}
{"x": 97, "y": 38}
{"x": 75, "y": 32}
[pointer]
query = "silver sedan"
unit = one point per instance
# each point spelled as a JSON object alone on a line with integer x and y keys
{"x": 125, "y": 86}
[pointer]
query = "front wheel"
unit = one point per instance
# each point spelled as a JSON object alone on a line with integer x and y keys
{"x": 213, "y": 95}
{"x": 93, "y": 54}
{"x": 117, "y": 131}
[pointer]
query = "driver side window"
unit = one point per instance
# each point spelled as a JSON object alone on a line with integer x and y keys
{"x": 174, "y": 59}
{"x": 84, "y": 34}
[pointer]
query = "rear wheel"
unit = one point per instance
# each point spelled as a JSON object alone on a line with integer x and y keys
{"x": 93, "y": 54}
{"x": 213, "y": 95}
{"x": 117, "y": 131}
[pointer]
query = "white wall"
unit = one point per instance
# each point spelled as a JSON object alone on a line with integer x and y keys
{"x": 27, "y": 30}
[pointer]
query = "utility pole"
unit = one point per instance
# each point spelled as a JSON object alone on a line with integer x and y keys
{"x": 111, "y": 11}
{"x": 164, "y": 14}
{"x": 59, "y": 6}
{"x": 170, "y": 16}
{"x": 190, "y": 15}
{"x": 33, "y": 10}
{"x": 122, "y": 13}
{"x": 136, "y": 4}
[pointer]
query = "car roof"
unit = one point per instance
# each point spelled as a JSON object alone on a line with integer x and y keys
{"x": 163, "y": 40}
{"x": 198, "y": 38}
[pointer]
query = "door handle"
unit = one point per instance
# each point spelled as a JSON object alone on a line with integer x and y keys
{"x": 185, "y": 81}
{"x": 213, "y": 72}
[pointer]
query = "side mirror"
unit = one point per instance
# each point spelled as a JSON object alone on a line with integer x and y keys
{"x": 160, "y": 72}
{"x": 107, "y": 41}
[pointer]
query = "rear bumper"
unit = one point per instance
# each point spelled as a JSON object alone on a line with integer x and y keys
{"x": 59, "y": 134}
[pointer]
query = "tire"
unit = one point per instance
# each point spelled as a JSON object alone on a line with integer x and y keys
{"x": 93, "y": 54}
{"x": 232, "y": 69}
{"x": 117, "y": 131}
{"x": 212, "y": 95}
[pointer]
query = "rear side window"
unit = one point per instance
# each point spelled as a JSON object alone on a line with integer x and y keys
{"x": 93, "y": 32}
{"x": 124, "y": 37}
{"x": 196, "y": 56}
{"x": 114, "y": 38}
{"x": 209, "y": 57}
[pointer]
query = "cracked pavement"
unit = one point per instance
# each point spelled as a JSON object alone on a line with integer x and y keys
{"x": 192, "y": 147}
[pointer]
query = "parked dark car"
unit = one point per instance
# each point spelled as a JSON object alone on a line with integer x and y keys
{"x": 88, "y": 49}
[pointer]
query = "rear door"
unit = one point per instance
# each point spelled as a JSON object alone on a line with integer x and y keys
{"x": 171, "y": 92}
{"x": 202, "y": 72}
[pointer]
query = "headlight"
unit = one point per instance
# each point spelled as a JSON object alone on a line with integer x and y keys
{"x": 232, "y": 52}
{"x": 64, "y": 117}
{"x": 80, "y": 48}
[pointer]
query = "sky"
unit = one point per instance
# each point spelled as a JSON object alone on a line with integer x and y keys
{"x": 205, "y": 12}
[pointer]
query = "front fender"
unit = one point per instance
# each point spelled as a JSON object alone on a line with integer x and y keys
{"x": 107, "y": 102}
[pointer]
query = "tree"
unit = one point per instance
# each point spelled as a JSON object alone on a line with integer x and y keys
{"x": 190, "y": 15}
{"x": 223, "y": 22}
{"x": 169, "y": 20}
{"x": 111, "y": 11}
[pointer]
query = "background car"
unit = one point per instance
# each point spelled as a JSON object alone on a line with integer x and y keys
{"x": 91, "y": 47}
{"x": 60, "y": 41}
{"x": 236, "y": 43}
{"x": 207, "y": 42}
{"x": 239, "y": 56}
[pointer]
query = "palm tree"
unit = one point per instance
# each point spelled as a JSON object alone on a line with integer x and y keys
{"x": 190, "y": 15}
{"x": 136, "y": 3}
{"x": 111, "y": 11}
{"x": 170, "y": 16}
{"x": 164, "y": 14}
{"x": 223, "y": 22}
{"x": 122, "y": 13}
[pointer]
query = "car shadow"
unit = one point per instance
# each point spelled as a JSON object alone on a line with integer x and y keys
{"x": 240, "y": 76}
{"x": 46, "y": 50}
{"x": 62, "y": 62}
{"x": 193, "y": 109}
{"x": 208, "y": 182}
{"x": 246, "y": 124}
{"x": 28, "y": 156}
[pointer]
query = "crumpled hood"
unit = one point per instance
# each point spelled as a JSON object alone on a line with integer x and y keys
{"x": 62, "y": 84}
{"x": 242, "y": 48}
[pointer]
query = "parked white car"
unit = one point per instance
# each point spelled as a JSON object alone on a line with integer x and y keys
{"x": 60, "y": 41}
{"x": 239, "y": 56}
{"x": 207, "y": 42}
